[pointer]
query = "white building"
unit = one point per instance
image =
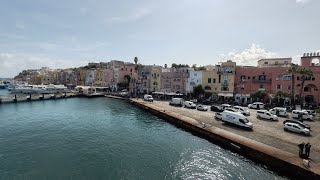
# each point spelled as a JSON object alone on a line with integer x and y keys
{"x": 90, "y": 77}
{"x": 194, "y": 79}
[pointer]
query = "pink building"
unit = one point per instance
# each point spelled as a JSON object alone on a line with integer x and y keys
{"x": 271, "y": 79}
{"x": 174, "y": 80}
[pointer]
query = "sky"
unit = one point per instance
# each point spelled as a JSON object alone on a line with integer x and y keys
{"x": 61, "y": 34}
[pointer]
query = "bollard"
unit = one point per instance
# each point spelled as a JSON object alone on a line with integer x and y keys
{"x": 15, "y": 98}
{"x": 29, "y": 99}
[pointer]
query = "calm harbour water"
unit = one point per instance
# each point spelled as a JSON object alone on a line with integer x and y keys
{"x": 103, "y": 138}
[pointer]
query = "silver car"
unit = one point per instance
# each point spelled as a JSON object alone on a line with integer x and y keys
{"x": 297, "y": 128}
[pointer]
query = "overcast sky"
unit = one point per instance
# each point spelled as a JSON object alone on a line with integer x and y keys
{"x": 59, "y": 34}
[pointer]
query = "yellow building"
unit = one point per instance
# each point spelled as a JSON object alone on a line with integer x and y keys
{"x": 226, "y": 76}
{"x": 98, "y": 78}
{"x": 210, "y": 81}
{"x": 155, "y": 81}
{"x": 82, "y": 78}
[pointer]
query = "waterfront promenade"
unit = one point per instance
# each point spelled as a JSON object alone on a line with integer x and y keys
{"x": 277, "y": 152}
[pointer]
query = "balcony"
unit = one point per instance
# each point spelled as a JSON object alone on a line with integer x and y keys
{"x": 262, "y": 80}
{"x": 224, "y": 84}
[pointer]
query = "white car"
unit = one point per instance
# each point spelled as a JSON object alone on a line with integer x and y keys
{"x": 264, "y": 114}
{"x": 256, "y": 105}
{"x": 294, "y": 127}
{"x": 300, "y": 114}
{"x": 232, "y": 110}
{"x": 224, "y": 106}
{"x": 218, "y": 115}
{"x": 202, "y": 108}
{"x": 189, "y": 104}
{"x": 279, "y": 111}
{"x": 242, "y": 110}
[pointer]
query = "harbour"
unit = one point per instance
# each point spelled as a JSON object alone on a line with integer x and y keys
{"x": 96, "y": 138}
{"x": 281, "y": 161}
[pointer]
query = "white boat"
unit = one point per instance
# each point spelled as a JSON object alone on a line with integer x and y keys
{"x": 39, "y": 89}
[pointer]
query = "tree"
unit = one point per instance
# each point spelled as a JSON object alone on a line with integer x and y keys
{"x": 259, "y": 95}
{"x": 198, "y": 90}
{"x": 293, "y": 70}
{"x": 128, "y": 78}
{"x": 280, "y": 96}
{"x": 304, "y": 73}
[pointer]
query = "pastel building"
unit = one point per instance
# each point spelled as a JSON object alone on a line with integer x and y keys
{"x": 174, "y": 80}
{"x": 210, "y": 80}
{"x": 271, "y": 79}
{"x": 226, "y": 76}
{"x": 194, "y": 79}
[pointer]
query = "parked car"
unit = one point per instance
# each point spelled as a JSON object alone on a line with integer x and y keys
{"x": 206, "y": 102}
{"x": 202, "y": 108}
{"x": 256, "y": 105}
{"x": 303, "y": 115}
{"x": 264, "y": 114}
{"x": 176, "y": 102}
{"x": 224, "y": 106}
{"x": 294, "y": 127}
{"x": 279, "y": 111}
{"x": 242, "y": 110}
{"x": 189, "y": 104}
{"x": 312, "y": 112}
{"x": 236, "y": 118}
{"x": 218, "y": 115}
{"x": 216, "y": 109}
{"x": 232, "y": 110}
{"x": 148, "y": 97}
{"x": 297, "y": 122}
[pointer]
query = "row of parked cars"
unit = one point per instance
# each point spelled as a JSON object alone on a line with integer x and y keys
{"x": 234, "y": 115}
{"x": 237, "y": 115}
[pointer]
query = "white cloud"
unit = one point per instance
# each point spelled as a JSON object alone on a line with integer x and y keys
{"x": 302, "y": 1}
{"x": 12, "y": 64}
{"x": 138, "y": 14}
{"x": 248, "y": 57}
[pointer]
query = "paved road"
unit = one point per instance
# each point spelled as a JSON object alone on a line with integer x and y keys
{"x": 265, "y": 131}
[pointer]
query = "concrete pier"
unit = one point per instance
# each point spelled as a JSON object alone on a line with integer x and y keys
{"x": 279, "y": 160}
{"x": 33, "y": 97}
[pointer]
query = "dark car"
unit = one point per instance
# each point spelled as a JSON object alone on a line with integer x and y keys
{"x": 206, "y": 102}
{"x": 216, "y": 109}
{"x": 297, "y": 122}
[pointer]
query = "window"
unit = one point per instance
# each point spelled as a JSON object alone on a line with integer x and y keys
{"x": 313, "y": 79}
{"x": 276, "y": 62}
{"x": 265, "y": 62}
{"x": 242, "y": 78}
{"x": 298, "y": 78}
{"x": 248, "y": 77}
{"x": 209, "y": 80}
{"x": 195, "y": 74}
{"x": 261, "y": 86}
{"x": 253, "y": 77}
{"x": 278, "y": 86}
{"x": 214, "y": 80}
{"x": 289, "y": 87}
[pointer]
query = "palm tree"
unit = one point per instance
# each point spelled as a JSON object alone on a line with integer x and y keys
{"x": 304, "y": 73}
{"x": 292, "y": 71}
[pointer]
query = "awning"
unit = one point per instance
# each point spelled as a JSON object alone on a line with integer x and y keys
{"x": 225, "y": 94}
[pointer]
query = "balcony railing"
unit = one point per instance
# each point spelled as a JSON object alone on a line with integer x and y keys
{"x": 262, "y": 80}
{"x": 224, "y": 84}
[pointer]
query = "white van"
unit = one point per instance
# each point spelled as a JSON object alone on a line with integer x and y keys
{"x": 266, "y": 115}
{"x": 279, "y": 111}
{"x": 236, "y": 118}
{"x": 148, "y": 97}
{"x": 256, "y": 105}
{"x": 176, "y": 102}
{"x": 299, "y": 114}
{"x": 189, "y": 104}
